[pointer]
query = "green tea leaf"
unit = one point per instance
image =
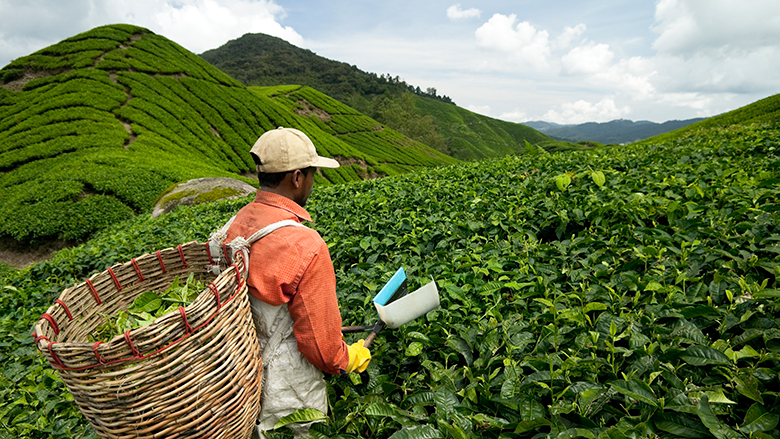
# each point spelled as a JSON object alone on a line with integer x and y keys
{"x": 414, "y": 349}
{"x": 563, "y": 181}
{"x": 594, "y": 306}
{"x": 704, "y": 355}
{"x": 524, "y": 426}
{"x": 417, "y": 432}
{"x": 301, "y": 416}
{"x": 454, "y": 431}
{"x": 384, "y": 409}
{"x": 765, "y": 422}
{"x": 718, "y": 397}
{"x": 461, "y": 347}
{"x": 712, "y": 423}
{"x": 531, "y": 409}
{"x": 680, "y": 425}
{"x": 576, "y": 432}
{"x": 636, "y": 389}
{"x": 748, "y": 386}
{"x": 598, "y": 178}
{"x": 146, "y": 302}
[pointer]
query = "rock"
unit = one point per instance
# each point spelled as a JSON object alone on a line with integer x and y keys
{"x": 200, "y": 190}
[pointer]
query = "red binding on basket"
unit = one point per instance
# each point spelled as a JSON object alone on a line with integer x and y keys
{"x": 213, "y": 288}
{"x": 136, "y": 352}
{"x": 137, "y": 269}
{"x": 67, "y": 311}
{"x": 184, "y": 317}
{"x": 225, "y": 251}
{"x": 208, "y": 252}
{"x": 181, "y": 254}
{"x": 94, "y": 291}
{"x": 162, "y": 265}
{"x": 116, "y": 281}
{"x": 57, "y": 360}
{"x": 97, "y": 354}
{"x": 52, "y": 322}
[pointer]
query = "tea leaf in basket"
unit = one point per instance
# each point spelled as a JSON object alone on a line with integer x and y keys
{"x": 146, "y": 302}
{"x": 147, "y": 307}
{"x": 184, "y": 293}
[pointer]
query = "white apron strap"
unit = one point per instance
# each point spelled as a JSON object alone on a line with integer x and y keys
{"x": 239, "y": 243}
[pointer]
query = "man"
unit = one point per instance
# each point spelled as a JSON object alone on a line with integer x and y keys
{"x": 292, "y": 284}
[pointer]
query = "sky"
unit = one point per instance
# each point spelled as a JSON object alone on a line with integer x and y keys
{"x": 562, "y": 61}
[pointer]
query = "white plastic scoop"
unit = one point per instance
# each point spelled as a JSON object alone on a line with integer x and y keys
{"x": 397, "y": 306}
{"x": 410, "y": 306}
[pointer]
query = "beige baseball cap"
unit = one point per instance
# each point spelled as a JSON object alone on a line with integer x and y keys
{"x": 287, "y": 149}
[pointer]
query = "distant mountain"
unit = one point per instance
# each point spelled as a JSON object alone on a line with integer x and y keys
{"x": 95, "y": 127}
{"x": 614, "y": 132}
{"x": 263, "y": 60}
{"x": 764, "y": 111}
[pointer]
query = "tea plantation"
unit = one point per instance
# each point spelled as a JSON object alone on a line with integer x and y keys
{"x": 603, "y": 294}
{"x": 94, "y": 128}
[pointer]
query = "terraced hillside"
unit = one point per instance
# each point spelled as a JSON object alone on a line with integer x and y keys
{"x": 93, "y": 128}
{"x": 263, "y": 60}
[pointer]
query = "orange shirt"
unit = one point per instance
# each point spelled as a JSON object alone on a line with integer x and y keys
{"x": 292, "y": 265}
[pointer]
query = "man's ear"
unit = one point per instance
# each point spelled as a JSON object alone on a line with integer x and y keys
{"x": 297, "y": 178}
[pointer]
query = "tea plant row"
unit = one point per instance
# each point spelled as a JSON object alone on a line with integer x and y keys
{"x": 622, "y": 293}
{"x": 144, "y": 114}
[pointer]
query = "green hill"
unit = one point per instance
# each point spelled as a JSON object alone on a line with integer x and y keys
{"x": 766, "y": 110}
{"x": 263, "y": 60}
{"x": 94, "y": 128}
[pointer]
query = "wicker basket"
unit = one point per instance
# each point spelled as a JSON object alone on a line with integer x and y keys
{"x": 192, "y": 373}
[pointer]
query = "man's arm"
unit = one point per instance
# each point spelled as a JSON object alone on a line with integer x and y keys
{"x": 314, "y": 309}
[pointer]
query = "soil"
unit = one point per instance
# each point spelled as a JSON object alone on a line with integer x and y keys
{"x": 21, "y": 256}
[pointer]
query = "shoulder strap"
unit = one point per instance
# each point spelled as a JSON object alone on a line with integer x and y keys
{"x": 239, "y": 243}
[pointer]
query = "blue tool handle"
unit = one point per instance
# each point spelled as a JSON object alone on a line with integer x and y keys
{"x": 390, "y": 287}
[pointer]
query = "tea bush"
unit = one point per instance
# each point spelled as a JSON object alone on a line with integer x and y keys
{"x": 603, "y": 294}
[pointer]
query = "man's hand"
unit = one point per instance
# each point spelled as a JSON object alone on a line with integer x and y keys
{"x": 359, "y": 356}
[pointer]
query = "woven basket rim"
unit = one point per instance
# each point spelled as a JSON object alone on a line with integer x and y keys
{"x": 237, "y": 271}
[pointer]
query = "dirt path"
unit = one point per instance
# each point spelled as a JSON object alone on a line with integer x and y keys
{"x": 22, "y": 256}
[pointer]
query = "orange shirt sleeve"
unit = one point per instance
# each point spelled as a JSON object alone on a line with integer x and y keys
{"x": 315, "y": 313}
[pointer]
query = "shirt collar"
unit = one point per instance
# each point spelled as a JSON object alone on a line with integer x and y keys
{"x": 282, "y": 202}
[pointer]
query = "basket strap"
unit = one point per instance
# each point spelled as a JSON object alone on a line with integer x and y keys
{"x": 217, "y": 238}
{"x": 239, "y": 243}
{"x": 267, "y": 230}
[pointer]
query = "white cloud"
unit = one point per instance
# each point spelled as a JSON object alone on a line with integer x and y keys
{"x": 717, "y": 46}
{"x": 588, "y": 59}
{"x": 569, "y": 35}
{"x": 522, "y": 41}
{"x": 454, "y": 12}
{"x": 219, "y": 21}
{"x": 480, "y": 109}
{"x": 689, "y": 100}
{"x": 514, "y": 116}
{"x": 582, "y": 111}
{"x": 686, "y": 27}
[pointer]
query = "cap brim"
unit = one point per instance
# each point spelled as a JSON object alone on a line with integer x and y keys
{"x": 324, "y": 162}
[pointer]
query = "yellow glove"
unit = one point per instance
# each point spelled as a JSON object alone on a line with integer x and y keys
{"x": 359, "y": 356}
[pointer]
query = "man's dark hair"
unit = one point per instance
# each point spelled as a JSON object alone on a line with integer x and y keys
{"x": 272, "y": 179}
